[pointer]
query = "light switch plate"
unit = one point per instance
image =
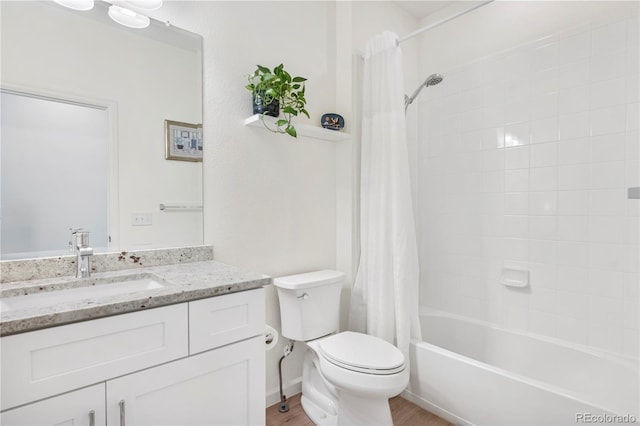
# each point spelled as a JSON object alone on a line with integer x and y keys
{"x": 141, "y": 219}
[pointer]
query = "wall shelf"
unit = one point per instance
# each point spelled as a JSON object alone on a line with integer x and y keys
{"x": 307, "y": 130}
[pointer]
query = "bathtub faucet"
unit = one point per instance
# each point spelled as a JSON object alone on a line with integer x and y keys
{"x": 80, "y": 246}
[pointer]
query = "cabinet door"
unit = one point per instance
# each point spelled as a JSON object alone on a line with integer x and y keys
{"x": 84, "y": 407}
{"x": 224, "y": 386}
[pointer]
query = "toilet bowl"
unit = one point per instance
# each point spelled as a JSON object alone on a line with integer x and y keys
{"x": 347, "y": 377}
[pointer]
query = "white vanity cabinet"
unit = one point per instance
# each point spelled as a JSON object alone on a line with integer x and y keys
{"x": 138, "y": 369}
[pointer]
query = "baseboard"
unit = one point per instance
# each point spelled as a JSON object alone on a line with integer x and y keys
{"x": 435, "y": 409}
{"x": 292, "y": 388}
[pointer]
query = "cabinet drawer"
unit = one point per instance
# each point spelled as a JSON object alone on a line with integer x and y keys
{"x": 42, "y": 363}
{"x": 222, "y": 320}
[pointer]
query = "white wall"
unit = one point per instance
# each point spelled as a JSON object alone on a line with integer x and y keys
{"x": 270, "y": 200}
{"x": 527, "y": 149}
{"x": 272, "y": 203}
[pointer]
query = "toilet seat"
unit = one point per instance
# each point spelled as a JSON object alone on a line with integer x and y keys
{"x": 361, "y": 353}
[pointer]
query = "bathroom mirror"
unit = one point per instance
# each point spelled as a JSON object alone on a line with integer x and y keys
{"x": 84, "y": 104}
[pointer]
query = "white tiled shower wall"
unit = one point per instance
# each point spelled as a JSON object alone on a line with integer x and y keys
{"x": 525, "y": 158}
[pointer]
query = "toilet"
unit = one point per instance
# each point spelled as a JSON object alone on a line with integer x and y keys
{"x": 347, "y": 377}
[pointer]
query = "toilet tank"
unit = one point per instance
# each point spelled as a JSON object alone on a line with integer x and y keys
{"x": 309, "y": 304}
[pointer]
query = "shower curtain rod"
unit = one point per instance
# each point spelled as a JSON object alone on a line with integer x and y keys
{"x": 438, "y": 23}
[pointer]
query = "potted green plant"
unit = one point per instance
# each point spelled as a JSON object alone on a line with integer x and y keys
{"x": 276, "y": 92}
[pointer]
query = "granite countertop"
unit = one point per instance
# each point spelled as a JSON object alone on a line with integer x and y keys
{"x": 180, "y": 283}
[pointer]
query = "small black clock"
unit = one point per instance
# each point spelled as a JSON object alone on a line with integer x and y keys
{"x": 332, "y": 121}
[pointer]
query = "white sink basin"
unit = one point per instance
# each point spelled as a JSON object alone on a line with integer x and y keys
{"x": 76, "y": 291}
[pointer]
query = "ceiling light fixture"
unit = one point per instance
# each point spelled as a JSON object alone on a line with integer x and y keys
{"x": 128, "y": 17}
{"x": 145, "y": 5}
{"x": 76, "y": 4}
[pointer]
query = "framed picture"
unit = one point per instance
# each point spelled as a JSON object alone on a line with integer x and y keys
{"x": 183, "y": 141}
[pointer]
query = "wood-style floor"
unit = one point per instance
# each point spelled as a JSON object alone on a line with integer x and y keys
{"x": 403, "y": 412}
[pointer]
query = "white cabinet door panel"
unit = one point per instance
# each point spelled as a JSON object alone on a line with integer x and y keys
{"x": 69, "y": 409}
{"x": 220, "y": 387}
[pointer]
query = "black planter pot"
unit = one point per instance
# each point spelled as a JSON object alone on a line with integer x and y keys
{"x": 272, "y": 109}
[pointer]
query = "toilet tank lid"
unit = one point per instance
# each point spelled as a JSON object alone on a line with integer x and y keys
{"x": 309, "y": 279}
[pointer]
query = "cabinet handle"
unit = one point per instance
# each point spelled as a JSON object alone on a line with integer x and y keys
{"x": 92, "y": 418}
{"x": 121, "y": 404}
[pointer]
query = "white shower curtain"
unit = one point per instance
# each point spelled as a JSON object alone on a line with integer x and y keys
{"x": 384, "y": 300}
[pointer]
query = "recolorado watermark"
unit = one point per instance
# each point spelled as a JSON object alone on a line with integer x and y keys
{"x": 605, "y": 418}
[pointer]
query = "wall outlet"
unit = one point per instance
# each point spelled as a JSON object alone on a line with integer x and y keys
{"x": 141, "y": 219}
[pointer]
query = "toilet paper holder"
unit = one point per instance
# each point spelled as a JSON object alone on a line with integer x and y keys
{"x": 270, "y": 337}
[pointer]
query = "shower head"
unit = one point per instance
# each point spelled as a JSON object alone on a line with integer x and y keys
{"x": 432, "y": 80}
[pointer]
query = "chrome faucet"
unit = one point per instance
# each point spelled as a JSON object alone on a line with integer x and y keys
{"x": 80, "y": 246}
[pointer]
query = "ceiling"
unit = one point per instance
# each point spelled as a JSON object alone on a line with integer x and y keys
{"x": 422, "y": 8}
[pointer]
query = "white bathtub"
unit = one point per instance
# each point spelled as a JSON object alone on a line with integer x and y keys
{"x": 470, "y": 372}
